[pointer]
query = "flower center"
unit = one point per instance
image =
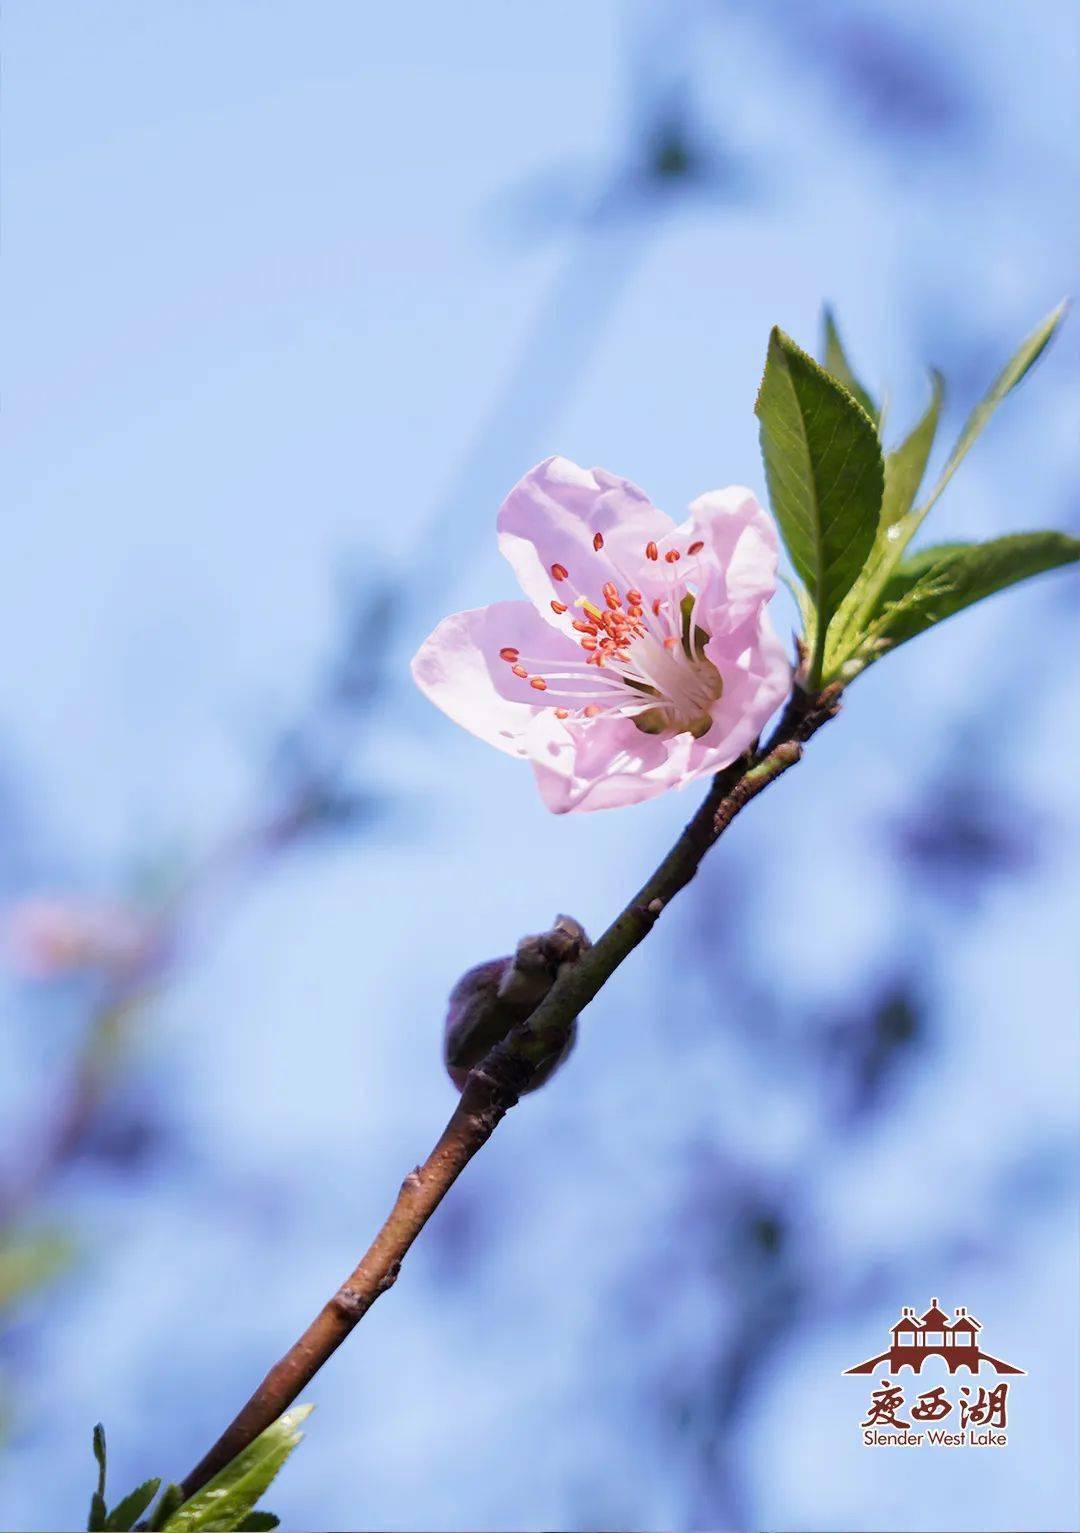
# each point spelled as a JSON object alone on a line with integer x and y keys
{"x": 642, "y": 662}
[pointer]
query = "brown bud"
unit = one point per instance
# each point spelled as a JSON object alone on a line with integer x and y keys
{"x": 493, "y": 997}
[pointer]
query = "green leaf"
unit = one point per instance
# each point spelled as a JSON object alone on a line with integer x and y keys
{"x": 825, "y": 474}
{"x": 1025, "y": 357}
{"x": 258, "y": 1522}
{"x": 227, "y": 1499}
{"x": 801, "y": 600}
{"x": 95, "y": 1521}
{"x": 938, "y": 583}
{"x": 837, "y": 364}
{"x": 99, "y": 1453}
{"x": 906, "y": 464}
{"x": 915, "y": 566}
{"x": 127, "y": 1512}
{"x": 171, "y": 1498}
{"x": 900, "y": 517}
{"x": 904, "y": 470}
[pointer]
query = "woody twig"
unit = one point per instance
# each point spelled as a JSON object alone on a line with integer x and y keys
{"x": 495, "y": 1084}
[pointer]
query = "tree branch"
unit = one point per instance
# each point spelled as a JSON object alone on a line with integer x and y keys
{"x": 494, "y": 1085}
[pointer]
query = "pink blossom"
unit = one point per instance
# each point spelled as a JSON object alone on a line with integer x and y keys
{"x": 644, "y": 656}
{"x": 49, "y": 936}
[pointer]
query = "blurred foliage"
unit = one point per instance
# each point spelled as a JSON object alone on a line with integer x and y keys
{"x": 29, "y": 1259}
{"x": 305, "y": 791}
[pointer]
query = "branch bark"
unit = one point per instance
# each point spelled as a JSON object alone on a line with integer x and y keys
{"x": 495, "y": 1084}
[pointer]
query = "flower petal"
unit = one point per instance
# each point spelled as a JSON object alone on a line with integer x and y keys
{"x": 607, "y": 762}
{"x": 757, "y": 679}
{"x": 506, "y": 671}
{"x": 459, "y": 667}
{"x": 550, "y": 522}
{"x": 602, "y": 764}
{"x": 739, "y": 556}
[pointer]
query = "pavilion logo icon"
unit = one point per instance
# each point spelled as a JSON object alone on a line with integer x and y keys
{"x": 915, "y": 1338}
{"x": 979, "y": 1412}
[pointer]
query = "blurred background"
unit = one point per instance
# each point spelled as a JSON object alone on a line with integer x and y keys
{"x": 294, "y": 294}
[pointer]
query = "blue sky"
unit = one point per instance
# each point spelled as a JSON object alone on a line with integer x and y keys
{"x": 296, "y": 291}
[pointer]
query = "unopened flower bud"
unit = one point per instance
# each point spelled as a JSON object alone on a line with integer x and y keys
{"x": 495, "y": 996}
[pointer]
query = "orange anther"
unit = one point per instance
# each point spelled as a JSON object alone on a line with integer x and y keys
{"x": 695, "y": 548}
{"x": 592, "y": 710}
{"x": 634, "y": 597}
{"x": 651, "y": 551}
{"x": 673, "y": 555}
{"x": 562, "y": 713}
{"x": 539, "y": 683}
{"x": 508, "y": 654}
{"x": 519, "y": 670}
{"x": 598, "y": 541}
{"x": 559, "y": 572}
{"x": 671, "y": 642}
{"x": 558, "y": 608}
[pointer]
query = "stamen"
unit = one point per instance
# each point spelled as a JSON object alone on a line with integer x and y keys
{"x": 651, "y": 670}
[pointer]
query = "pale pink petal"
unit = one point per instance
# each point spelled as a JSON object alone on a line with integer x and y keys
{"x": 550, "y": 522}
{"x": 590, "y": 550}
{"x": 601, "y": 764}
{"x": 757, "y": 680}
{"x": 606, "y": 763}
{"x": 459, "y": 667}
{"x": 738, "y": 558}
